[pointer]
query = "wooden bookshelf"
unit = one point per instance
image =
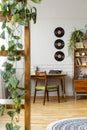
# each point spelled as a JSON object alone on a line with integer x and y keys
{"x": 80, "y": 69}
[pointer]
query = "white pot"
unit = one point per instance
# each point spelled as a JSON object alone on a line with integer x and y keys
{"x": 79, "y": 45}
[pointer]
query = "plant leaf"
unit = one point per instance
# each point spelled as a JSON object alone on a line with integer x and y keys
{"x": 16, "y": 37}
{"x": 16, "y": 127}
{"x": 24, "y": 23}
{"x": 2, "y": 48}
{"x": 11, "y": 58}
{"x": 9, "y": 126}
{"x": 9, "y": 30}
{"x": 11, "y": 113}
{"x": 13, "y": 81}
{"x": 7, "y": 65}
{"x": 20, "y": 45}
{"x": 4, "y": 25}
{"x": 2, "y": 35}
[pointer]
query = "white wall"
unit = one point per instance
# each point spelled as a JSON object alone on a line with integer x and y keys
{"x": 51, "y": 14}
{"x": 68, "y": 14}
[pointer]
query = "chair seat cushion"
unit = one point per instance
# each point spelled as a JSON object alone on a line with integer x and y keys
{"x": 52, "y": 87}
{"x": 40, "y": 87}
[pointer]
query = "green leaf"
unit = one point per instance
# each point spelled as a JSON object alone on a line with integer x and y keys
{"x": 18, "y": 57}
{"x": 20, "y": 45}
{"x": 2, "y": 48}
{"x": 9, "y": 30}
{"x": 11, "y": 113}
{"x": 7, "y": 65}
{"x": 5, "y": 76}
{"x": 17, "y": 103}
{"x": 11, "y": 58}
{"x": 19, "y": 6}
{"x": 9, "y": 126}
{"x": 13, "y": 81}
{"x": 15, "y": 94}
{"x": 16, "y": 37}
{"x": 36, "y": 1}
{"x": 24, "y": 23}
{"x": 4, "y": 8}
{"x": 12, "y": 45}
{"x": 13, "y": 70}
{"x": 2, "y": 35}
{"x": 17, "y": 17}
{"x": 1, "y": 107}
{"x": 4, "y": 25}
{"x": 16, "y": 127}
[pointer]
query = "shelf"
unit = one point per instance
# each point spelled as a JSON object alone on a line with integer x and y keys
{"x": 78, "y": 49}
{"x": 81, "y": 65}
{"x": 4, "y": 53}
{"x": 80, "y": 56}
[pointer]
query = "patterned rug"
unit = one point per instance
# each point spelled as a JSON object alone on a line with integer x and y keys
{"x": 69, "y": 124}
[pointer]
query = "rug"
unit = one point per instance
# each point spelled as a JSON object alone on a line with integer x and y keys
{"x": 69, "y": 124}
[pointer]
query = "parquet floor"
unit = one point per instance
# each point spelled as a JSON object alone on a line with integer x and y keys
{"x": 41, "y": 115}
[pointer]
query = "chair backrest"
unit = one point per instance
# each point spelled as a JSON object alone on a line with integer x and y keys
{"x": 40, "y": 76}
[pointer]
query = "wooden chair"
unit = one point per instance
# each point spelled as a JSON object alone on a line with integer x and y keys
{"x": 41, "y": 76}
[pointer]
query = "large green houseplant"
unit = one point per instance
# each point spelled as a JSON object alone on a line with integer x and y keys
{"x": 76, "y": 36}
{"x": 15, "y": 13}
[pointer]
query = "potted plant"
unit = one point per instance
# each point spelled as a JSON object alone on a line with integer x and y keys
{"x": 76, "y": 39}
{"x": 16, "y": 13}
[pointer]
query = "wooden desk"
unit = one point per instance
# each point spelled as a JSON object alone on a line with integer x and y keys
{"x": 59, "y": 76}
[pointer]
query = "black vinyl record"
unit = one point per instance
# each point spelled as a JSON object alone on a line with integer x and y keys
{"x": 59, "y": 32}
{"x": 59, "y": 44}
{"x": 59, "y": 56}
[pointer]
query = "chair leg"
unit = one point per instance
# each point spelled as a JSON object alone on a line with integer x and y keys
{"x": 34, "y": 96}
{"x": 44, "y": 97}
{"x": 58, "y": 94}
{"x": 47, "y": 96}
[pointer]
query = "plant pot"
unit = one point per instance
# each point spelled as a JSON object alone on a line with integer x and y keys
{"x": 79, "y": 45}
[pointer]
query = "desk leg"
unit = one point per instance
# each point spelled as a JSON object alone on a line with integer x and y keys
{"x": 63, "y": 86}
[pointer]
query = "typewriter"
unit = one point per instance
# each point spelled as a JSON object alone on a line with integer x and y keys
{"x": 55, "y": 71}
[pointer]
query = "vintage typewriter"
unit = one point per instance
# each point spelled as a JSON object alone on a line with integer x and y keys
{"x": 55, "y": 71}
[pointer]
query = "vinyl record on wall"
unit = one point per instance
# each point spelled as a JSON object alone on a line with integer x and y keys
{"x": 59, "y": 56}
{"x": 59, "y": 44}
{"x": 59, "y": 32}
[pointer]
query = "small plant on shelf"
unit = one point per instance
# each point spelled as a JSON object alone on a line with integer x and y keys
{"x": 76, "y": 37}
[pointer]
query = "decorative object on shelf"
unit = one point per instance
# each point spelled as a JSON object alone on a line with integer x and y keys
{"x": 77, "y": 54}
{"x": 59, "y": 32}
{"x": 59, "y": 56}
{"x": 83, "y": 54}
{"x": 59, "y": 44}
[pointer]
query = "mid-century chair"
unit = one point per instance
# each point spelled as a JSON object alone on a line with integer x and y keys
{"x": 41, "y": 76}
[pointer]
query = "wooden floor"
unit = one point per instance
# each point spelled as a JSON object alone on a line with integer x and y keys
{"x": 41, "y": 115}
